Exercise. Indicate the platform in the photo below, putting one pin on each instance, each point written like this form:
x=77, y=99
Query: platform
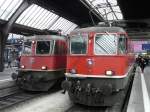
x=7, y=84
x=6, y=74
x=139, y=99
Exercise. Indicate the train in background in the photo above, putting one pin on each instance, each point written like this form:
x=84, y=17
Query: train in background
x=100, y=64
x=42, y=63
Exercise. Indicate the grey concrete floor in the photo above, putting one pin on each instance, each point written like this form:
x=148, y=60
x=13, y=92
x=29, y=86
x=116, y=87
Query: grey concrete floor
x=54, y=102
x=136, y=98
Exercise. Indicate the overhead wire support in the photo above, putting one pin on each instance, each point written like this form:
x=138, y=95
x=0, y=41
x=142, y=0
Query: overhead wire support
x=91, y=16
x=93, y=11
x=112, y=9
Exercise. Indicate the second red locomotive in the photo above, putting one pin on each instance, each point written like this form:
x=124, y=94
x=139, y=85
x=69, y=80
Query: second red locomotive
x=43, y=62
x=99, y=65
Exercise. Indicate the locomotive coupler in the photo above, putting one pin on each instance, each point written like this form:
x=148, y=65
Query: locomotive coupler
x=78, y=86
x=88, y=89
x=66, y=85
x=107, y=89
x=97, y=91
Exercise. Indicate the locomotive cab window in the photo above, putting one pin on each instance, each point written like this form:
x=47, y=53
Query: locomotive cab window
x=27, y=48
x=105, y=44
x=78, y=44
x=43, y=47
x=122, y=44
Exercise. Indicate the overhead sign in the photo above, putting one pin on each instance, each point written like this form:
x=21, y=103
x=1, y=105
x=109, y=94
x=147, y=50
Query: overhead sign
x=145, y=46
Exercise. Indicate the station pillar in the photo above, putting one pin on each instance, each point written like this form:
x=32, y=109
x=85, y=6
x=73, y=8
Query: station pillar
x=8, y=27
x=2, y=46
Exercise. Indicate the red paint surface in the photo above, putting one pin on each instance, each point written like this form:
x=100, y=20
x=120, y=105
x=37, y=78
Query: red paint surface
x=36, y=62
x=118, y=64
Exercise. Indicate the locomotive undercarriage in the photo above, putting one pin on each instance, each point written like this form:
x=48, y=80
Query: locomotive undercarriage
x=97, y=91
x=38, y=80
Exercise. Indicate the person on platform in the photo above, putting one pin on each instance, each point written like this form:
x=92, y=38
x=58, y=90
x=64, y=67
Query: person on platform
x=9, y=62
x=18, y=61
x=142, y=63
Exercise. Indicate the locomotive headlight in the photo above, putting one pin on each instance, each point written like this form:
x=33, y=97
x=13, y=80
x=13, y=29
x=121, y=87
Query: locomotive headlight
x=22, y=66
x=90, y=61
x=109, y=72
x=33, y=42
x=43, y=67
x=73, y=71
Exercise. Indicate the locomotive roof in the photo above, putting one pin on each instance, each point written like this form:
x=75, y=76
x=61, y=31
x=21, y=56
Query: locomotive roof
x=99, y=30
x=45, y=37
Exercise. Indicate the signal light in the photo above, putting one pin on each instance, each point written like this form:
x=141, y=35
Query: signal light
x=33, y=42
x=109, y=72
x=22, y=66
x=43, y=67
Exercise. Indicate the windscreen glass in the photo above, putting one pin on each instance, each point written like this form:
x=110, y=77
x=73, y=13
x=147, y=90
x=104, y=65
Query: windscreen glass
x=78, y=44
x=105, y=44
x=27, y=48
x=43, y=47
x=122, y=44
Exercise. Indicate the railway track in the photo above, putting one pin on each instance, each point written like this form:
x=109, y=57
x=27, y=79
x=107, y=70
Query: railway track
x=17, y=96
x=7, y=87
x=14, y=99
x=10, y=94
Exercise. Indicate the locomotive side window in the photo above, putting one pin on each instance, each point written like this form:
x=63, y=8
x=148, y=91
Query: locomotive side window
x=62, y=48
x=56, y=48
x=27, y=48
x=122, y=44
x=78, y=44
x=59, y=48
x=105, y=44
x=43, y=47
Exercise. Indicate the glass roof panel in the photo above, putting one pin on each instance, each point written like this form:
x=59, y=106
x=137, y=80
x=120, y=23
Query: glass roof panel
x=72, y=27
x=40, y=18
x=63, y=25
x=108, y=9
x=35, y=17
x=8, y=7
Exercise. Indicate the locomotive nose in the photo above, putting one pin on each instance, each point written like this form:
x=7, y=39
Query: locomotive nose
x=107, y=89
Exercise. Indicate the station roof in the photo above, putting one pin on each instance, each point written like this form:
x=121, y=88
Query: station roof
x=40, y=18
x=108, y=9
x=66, y=15
x=134, y=9
x=35, y=17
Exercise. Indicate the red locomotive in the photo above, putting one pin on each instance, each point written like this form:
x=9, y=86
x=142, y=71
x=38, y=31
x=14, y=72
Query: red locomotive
x=99, y=65
x=43, y=62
